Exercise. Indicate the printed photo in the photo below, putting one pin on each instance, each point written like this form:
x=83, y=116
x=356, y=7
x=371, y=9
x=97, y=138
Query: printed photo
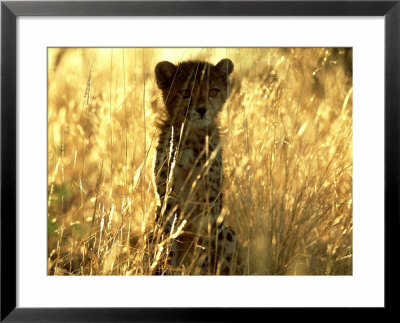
x=200, y=161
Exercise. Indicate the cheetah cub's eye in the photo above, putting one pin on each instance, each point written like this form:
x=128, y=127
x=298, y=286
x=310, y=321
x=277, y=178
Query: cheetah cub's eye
x=185, y=93
x=213, y=93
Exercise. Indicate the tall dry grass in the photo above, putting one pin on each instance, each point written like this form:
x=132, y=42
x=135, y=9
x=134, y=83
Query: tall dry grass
x=287, y=151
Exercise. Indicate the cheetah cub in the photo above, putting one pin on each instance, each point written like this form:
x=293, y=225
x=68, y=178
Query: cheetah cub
x=188, y=166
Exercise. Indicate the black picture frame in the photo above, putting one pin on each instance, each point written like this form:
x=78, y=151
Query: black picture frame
x=11, y=10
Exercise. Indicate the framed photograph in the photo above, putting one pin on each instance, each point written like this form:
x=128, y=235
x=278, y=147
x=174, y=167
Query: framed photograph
x=195, y=160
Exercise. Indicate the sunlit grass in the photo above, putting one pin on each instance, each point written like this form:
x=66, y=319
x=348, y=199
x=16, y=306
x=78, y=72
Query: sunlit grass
x=287, y=151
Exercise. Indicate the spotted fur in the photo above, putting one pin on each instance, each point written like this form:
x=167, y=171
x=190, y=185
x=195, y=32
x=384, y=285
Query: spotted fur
x=188, y=163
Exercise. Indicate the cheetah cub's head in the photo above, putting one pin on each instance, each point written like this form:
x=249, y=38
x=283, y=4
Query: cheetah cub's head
x=194, y=91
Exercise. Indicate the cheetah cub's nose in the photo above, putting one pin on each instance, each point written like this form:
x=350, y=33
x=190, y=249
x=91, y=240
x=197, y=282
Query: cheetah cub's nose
x=201, y=111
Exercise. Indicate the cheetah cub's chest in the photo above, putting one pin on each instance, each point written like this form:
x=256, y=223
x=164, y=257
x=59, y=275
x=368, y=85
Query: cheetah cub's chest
x=187, y=159
x=192, y=172
x=192, y=154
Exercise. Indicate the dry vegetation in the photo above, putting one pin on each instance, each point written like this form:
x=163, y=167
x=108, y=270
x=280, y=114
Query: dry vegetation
x=287, y=150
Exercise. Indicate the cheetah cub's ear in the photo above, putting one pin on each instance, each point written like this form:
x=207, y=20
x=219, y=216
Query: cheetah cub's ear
x=225, y=66
x=165, y=72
